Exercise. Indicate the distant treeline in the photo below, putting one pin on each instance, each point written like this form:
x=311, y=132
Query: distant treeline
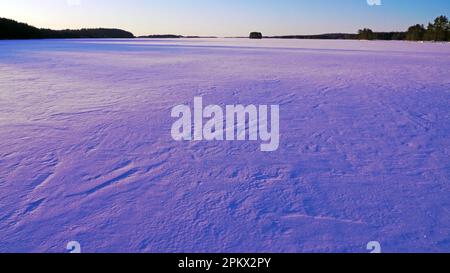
x=10, y=29
x=172, y=36
x=162, y=36
x=331, y=36
x=362, y=35
x=439, y=30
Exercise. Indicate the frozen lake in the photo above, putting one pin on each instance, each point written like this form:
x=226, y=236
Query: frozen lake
x=86, y=152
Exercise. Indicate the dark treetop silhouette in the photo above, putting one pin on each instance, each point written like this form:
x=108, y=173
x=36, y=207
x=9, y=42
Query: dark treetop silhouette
x=10, y=29
x=439, y=30
x=256, y=35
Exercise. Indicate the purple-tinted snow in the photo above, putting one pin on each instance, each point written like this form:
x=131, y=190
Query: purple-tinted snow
x=86, y=153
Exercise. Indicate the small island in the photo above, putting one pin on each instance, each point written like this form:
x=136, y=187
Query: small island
x=256, y=35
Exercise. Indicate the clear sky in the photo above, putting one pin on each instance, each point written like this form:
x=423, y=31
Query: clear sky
x=225, y=17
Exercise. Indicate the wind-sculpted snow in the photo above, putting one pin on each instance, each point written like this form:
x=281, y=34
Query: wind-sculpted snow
x=86, y=153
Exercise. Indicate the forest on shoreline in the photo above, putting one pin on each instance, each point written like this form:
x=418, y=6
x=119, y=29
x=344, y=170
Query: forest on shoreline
x=439, y=30
x=11, y=30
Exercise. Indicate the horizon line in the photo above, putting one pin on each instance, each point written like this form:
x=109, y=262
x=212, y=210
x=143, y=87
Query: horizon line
x=207, y=36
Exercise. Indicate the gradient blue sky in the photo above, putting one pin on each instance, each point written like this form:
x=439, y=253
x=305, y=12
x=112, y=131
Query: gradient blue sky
x=225, y=17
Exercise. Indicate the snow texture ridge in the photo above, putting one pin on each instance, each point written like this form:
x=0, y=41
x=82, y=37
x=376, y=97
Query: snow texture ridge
x=86, y=153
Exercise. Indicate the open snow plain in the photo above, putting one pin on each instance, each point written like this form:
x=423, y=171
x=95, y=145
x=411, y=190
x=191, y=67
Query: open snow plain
x=86, y=153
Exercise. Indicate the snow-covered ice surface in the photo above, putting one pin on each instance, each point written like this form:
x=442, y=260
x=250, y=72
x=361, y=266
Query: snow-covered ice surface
x=86, y=152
